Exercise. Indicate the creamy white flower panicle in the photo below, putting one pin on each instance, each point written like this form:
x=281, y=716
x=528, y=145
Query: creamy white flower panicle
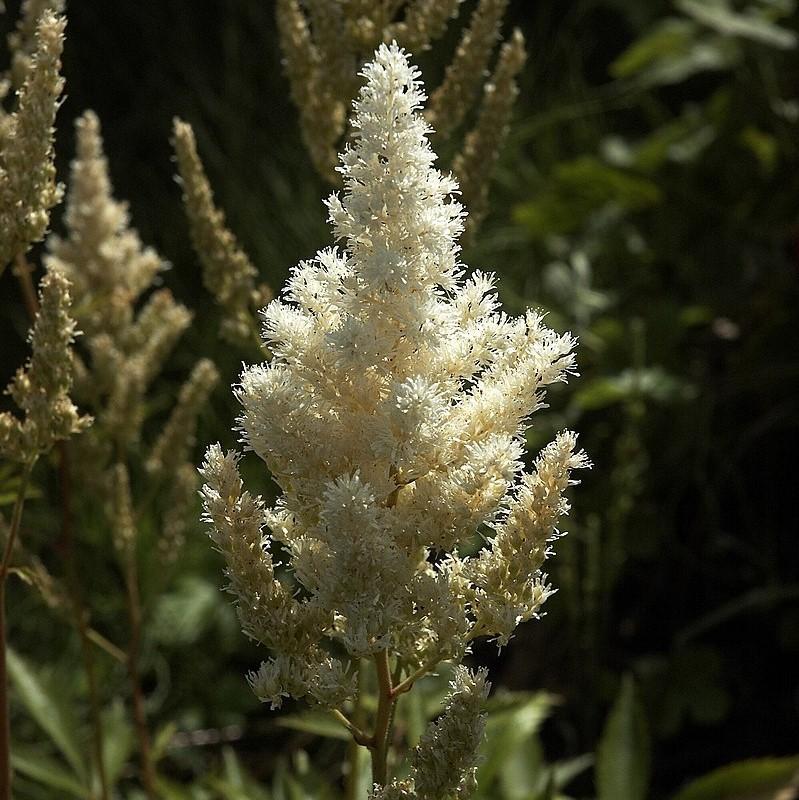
x=392, y=417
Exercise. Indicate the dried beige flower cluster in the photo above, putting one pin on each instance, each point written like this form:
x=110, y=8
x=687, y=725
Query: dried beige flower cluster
x=127, y=346
x=392, y=418
x=22, y=41
x=324, y=44
x=227, y=271
x=41, y=388
x=28, y=189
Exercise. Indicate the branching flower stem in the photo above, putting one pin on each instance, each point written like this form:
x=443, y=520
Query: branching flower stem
x=385, y=705
x=23, y=271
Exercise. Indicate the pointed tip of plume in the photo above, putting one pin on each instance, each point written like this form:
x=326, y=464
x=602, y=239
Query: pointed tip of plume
x=28, y=188
x=227, y=271
x=445, y=759
x=41, y=389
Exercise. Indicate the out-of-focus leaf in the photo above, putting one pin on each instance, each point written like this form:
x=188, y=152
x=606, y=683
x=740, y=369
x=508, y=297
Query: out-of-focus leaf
x=523, y=771
x=49, y=709
x=235, y=783
x=669, y=38
x=183, y=615
x=507, y=729
x=622, y=771
x=118, y=740
x=45, y=770
x=162, y=739
x=758, y=779
x=577, y=189
x=763, y=146
x=599, y=393
x=681, y=141
x=695, y=315
x=718, y=15
x=564, y=772
x=169, y=790
x=286, y=787
x=653, y=383
x=316, y=722
x=10, y=479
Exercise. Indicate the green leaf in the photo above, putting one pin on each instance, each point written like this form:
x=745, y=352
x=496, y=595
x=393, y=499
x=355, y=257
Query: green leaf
x=756, y=779
x=118, y=740
x=763, y=146
x=524, y=771
x=162, y=739
x=564, y=772
x=318, y=723
x=45, y=770
x=622, y=771
x=49, y=709
x=511, y=723
x=182, y=616
x=749, y=25
x=599, y=393
x=669, y=38
x=235, y=783
x=578, y=189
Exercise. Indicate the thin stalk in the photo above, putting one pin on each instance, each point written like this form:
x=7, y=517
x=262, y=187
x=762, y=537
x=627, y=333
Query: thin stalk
x=23, y=271
x=81, y=615
x=134, y=647
x=97, y=638
x=5, y=722
x=385, y=705
x=407, y=684
x=358, y=736
x=354, y=745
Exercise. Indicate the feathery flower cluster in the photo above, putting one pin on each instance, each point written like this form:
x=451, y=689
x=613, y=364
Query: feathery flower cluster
x=103, y=258
x=22, y=40
x=392, y=418
x=28, y=189
x=227, y=271
x=325, y=43
x=127, y=345
x=484, y=141
x=41, y=388
x=443, y=763
x=464, y=74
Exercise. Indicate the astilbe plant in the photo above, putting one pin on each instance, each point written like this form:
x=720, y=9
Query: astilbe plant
x=130, y=332
x=392, y=417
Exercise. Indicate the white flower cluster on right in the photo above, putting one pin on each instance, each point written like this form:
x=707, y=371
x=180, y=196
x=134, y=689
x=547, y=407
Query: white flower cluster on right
x=392, y=417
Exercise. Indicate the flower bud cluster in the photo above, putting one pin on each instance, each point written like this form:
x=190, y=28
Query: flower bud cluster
x=324, y=43
x=443, y=764
x=129, y=336
x=28, y=189
x=41, y=388
x=227, y=271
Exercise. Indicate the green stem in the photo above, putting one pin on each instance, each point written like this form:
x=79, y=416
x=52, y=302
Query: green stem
x=385, y=705
x=5, y=722
x=81, y=616
x=354, y=745
x=134, y=647
x=407, y=684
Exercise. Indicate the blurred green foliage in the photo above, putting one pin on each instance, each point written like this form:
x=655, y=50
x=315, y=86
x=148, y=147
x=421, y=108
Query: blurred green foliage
x=649, y=201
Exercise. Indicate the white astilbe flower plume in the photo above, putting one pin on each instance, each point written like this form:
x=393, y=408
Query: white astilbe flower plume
x=392, y=418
